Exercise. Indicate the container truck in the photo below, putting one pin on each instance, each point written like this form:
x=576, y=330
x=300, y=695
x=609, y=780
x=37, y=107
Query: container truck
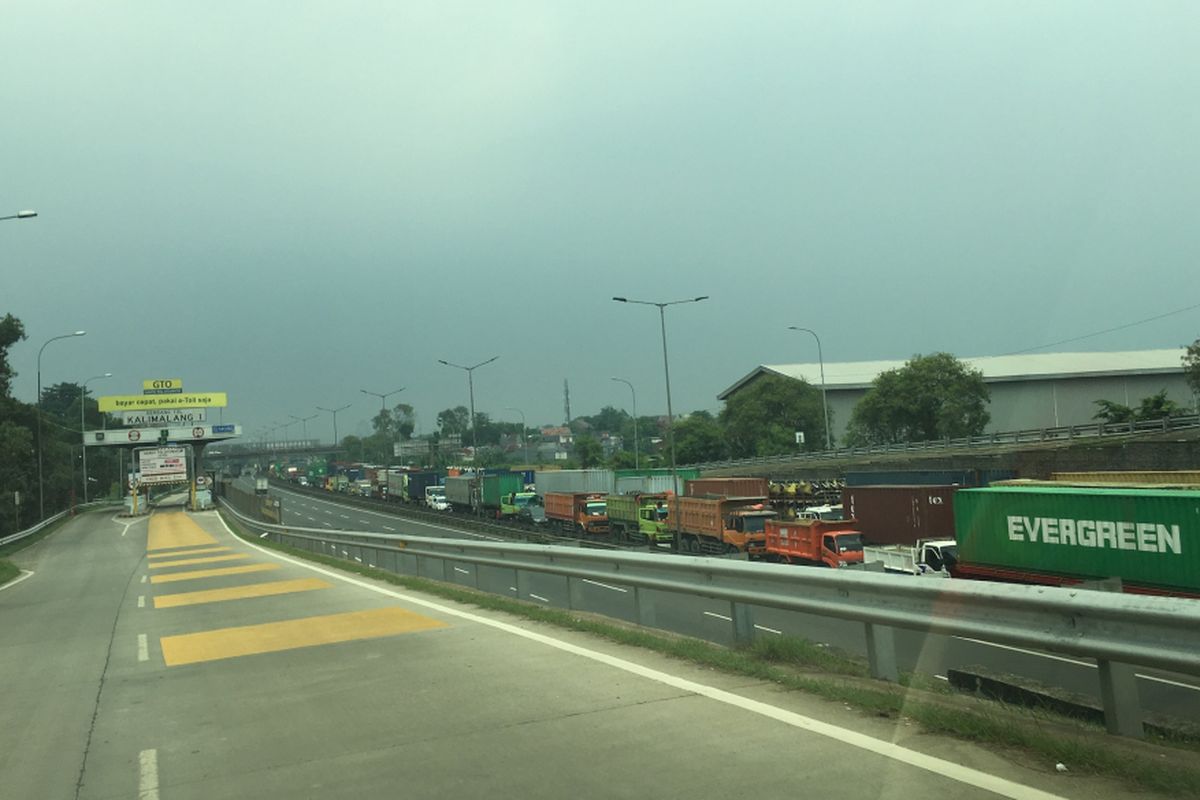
x=928, y=477
x=581, y=513
x=1148, y=538
x=435, y=498
x=261, y=485
x=926, y=557
x=640, y=518
x=514, y=503
x=460, y=492
x=595, y=481
x=415, y=483
x=901, y=514
x=716, y=525
x=482, y=493
x=812, y=541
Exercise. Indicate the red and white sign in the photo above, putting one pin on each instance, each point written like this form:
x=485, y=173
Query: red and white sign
x=134, y=435
x=197, y=433
x=163, y=465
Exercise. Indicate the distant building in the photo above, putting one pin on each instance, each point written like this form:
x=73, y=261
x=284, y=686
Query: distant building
x=1038, y=390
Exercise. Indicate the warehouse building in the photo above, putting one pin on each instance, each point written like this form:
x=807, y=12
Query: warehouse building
x=1042, y=390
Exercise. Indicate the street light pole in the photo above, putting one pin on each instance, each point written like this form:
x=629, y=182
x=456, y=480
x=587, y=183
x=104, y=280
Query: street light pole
x=662, y=318
x=383, y=401
x=524, y=436
x=636, y=463
x=304, y=423
x=41, y=485
x=83, y=427
x=333, y=411
x=27, y=214
x=471, y=387
x=824, y=397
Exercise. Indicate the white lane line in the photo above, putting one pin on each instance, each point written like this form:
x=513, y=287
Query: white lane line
x=344, y=516
x=605, y=585
x=364, y=522
x=148, y=775
x=311, y=519
x=769, y=630
x=389, y=528
x=359, y=560
x=456, y=531
x=327, y=511
x=538, y=597
x=942, y=678
x=143, y=648
x=326, y=524
x=512, y=588
x=24, y=574
x=1154, y=678
x=143, y=579
x=718, y=616
x=141, y=601
x=463, y=571
x=937, y=766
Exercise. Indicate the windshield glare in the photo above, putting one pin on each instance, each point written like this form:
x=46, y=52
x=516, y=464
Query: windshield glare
x=596, y=509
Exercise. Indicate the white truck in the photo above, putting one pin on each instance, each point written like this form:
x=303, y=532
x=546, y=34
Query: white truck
x=435, y=498
x=261, y=485
x=926, y=557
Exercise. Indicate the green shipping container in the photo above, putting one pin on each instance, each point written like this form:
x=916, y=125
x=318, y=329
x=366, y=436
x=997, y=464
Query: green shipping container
x=496, y=486
x=685, y=473
x=1147, y=537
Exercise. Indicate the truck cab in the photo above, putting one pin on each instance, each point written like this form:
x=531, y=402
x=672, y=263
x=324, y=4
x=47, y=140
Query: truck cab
x=435, y=498
x=652, y=523
x=746, y=529
x=513, y=503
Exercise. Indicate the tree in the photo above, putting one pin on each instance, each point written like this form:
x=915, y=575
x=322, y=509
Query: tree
x=1111, y=412
x=930, y=397
x=699, y=437
x=11, y=332
x=404, y=420
x=763, y=418
x=1191, y=365
x=588, y=450
x=453, y=421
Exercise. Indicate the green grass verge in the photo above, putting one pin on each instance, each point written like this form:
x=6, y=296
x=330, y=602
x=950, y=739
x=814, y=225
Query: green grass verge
x=8, y=571
x=1035, y=736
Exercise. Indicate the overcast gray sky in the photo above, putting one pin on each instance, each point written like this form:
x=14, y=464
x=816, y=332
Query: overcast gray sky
x=292, y=201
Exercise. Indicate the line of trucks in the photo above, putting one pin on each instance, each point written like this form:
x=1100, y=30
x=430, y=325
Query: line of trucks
x=1141, y=529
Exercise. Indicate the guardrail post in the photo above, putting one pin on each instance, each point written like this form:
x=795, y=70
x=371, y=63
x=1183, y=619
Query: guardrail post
x=1119, y=693
x=743, y=623
x=881, y=652
x=643, y=608
x=574, y=593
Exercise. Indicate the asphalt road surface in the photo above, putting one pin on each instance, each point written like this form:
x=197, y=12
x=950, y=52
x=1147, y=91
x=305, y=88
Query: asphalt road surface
x=932, y=654
x=164, y=658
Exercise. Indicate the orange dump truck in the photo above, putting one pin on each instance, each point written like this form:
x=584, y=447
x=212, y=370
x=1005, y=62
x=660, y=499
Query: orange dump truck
x=813, y=541
x=580, y=513
x=716, y=525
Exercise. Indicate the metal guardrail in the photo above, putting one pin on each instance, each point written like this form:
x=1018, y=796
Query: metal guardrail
x=1120, y=631
x=19, y=535
x=1028, y=436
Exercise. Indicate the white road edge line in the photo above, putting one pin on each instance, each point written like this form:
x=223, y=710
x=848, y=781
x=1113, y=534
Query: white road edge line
x=24, y=574
x=148, y=775
x=143, y=648
x=605, y=585
x=937, y=766
x=1154, y=678
x=718, y=616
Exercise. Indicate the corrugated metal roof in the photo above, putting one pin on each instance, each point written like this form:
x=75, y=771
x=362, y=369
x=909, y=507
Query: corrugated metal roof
x=995, y=369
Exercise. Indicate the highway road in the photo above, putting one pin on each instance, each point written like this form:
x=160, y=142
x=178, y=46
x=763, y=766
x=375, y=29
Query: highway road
x=931, y=654
x=165, y=659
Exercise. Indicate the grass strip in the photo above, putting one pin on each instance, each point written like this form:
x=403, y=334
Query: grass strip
x=803, y=666
x=8, y=571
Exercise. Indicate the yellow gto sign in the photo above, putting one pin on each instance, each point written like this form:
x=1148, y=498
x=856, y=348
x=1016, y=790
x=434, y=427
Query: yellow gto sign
x=161, y=384
x=152, y=402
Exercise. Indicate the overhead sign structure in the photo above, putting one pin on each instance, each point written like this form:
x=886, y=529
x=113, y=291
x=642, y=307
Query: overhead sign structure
x=143, y=419
x=163, y=465
x=159, y=402
x=163, y=386
x=187, y=433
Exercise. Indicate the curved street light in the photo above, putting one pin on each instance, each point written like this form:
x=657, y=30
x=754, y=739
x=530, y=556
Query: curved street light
x=662, y=318
x=41, y=485
x=304, y=423
x=471, y=386
x=333, y=411
x=26, y=214
x=636, y=463
x=824, y=398
x=83, y=426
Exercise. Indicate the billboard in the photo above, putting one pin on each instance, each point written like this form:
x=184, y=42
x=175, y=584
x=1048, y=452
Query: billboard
x=158, y=402
x=163, y=465
x=148, y=419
